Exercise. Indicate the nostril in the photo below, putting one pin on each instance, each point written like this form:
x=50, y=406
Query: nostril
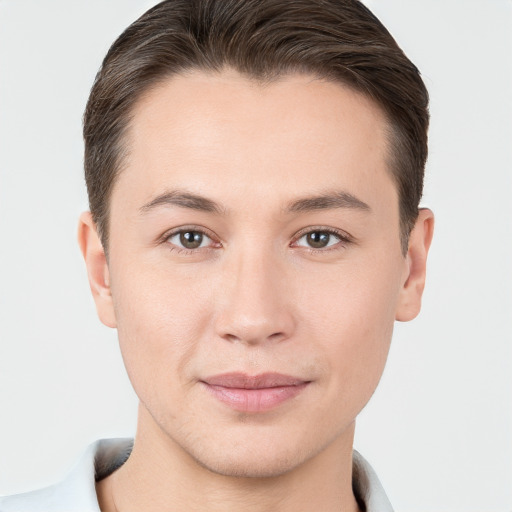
x=277, y=336
x=232, y=338
x=248, y=339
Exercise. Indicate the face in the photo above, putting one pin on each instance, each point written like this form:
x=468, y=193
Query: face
x=255, y=268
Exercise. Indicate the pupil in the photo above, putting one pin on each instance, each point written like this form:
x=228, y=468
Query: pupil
x=191, y=239
x=318, y=239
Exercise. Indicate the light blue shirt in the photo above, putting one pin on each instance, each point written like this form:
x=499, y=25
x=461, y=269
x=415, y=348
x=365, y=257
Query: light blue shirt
x=77, y=492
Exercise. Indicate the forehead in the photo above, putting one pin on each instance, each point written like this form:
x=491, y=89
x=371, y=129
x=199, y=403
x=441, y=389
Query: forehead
x=239, y=135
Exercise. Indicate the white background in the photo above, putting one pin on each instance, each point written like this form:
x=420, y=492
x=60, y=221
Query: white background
x=438, y=430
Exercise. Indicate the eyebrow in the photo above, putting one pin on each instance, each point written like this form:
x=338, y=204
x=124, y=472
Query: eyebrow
x=327, y=201
x=183, y=199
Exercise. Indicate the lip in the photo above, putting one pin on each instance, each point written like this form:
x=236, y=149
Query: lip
x=254, y=393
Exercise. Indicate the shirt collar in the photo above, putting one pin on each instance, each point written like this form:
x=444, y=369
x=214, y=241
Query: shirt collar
x=77, y=492
x=367, y=487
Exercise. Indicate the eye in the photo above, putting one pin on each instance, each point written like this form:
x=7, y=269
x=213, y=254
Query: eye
x=190, y=239
x=320, y=239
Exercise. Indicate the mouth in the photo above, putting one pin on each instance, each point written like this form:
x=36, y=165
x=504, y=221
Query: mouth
x=254, y=393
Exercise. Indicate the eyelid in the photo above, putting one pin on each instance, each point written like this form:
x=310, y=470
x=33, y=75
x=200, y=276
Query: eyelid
x=344, y=237
x=198, y=229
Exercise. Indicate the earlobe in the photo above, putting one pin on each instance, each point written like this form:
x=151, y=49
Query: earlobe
x=409, y=303
x=97, y=268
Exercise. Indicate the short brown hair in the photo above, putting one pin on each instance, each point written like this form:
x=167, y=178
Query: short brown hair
x=339, y=40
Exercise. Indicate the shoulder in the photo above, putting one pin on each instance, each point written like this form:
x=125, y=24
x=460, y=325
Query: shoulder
x=77, y=492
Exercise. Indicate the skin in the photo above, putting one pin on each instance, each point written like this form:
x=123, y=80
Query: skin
x=255, y=296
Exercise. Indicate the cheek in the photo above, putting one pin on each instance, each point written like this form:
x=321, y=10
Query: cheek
x=358, y=298
x=160, y=322
x=352, y=316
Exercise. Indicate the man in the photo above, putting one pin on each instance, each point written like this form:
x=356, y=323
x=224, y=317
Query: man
x=254, y=170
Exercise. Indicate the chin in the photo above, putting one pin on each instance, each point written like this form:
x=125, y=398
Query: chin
x=256, y=465
x=258, y=453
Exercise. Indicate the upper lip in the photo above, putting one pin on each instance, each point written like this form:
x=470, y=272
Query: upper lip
x=240, y=380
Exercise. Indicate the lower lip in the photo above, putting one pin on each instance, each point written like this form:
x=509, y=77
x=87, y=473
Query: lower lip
x=255, y=400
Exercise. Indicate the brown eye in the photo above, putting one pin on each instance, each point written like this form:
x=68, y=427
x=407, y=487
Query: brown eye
x=318, y=239
x=189, y=239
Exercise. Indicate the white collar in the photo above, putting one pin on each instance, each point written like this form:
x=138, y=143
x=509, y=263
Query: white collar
x=77, y=492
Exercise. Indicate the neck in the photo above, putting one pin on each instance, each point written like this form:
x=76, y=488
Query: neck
x=160, y=476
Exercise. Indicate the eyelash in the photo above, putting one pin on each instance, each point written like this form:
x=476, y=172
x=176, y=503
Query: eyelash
x=188, y=229
x=344, y=239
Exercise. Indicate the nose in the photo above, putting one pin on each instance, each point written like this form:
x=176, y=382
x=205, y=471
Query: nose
x=256, y=302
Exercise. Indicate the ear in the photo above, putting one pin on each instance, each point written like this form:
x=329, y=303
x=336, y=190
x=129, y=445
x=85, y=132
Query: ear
x=409, y=302
x=97, y=268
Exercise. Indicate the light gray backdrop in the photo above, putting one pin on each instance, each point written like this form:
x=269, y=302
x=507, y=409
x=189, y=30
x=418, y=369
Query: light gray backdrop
x=438, y=430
